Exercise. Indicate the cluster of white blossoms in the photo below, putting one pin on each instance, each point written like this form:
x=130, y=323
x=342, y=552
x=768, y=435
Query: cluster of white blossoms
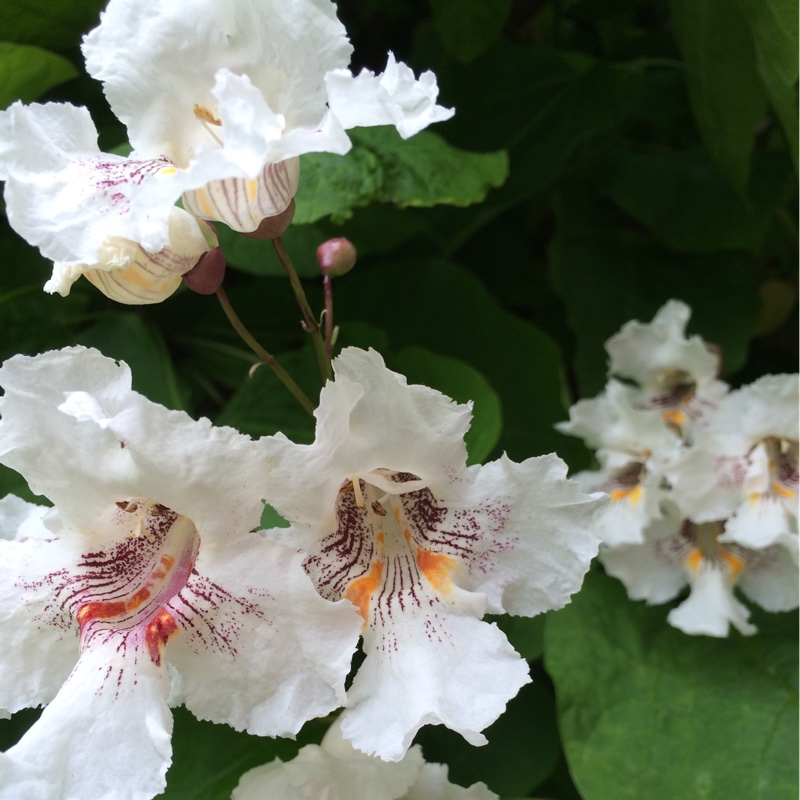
x=219, y=99
x=147, y=584
x=703, y=480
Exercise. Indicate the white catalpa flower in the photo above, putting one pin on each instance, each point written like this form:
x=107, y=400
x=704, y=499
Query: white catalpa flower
x=744, y=464
x=393, y=520
x=143, y=585
x=334, y=770
x=74, y=203
x=633, y=446
x=232, y=93
x=678, y=553
x=675, y=375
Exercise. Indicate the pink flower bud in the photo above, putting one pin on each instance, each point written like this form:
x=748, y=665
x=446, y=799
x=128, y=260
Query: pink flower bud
x=273, y=227
x=206, y=276
x=336, y=256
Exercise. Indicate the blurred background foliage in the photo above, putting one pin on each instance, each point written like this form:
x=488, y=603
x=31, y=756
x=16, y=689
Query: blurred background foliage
x=605, y=156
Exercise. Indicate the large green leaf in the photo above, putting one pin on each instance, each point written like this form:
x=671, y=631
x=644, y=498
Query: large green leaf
x=382, y=167
x=463, y=383
x=773, y=26
x=686, y=204
x=27, y=72
x=264, y=406
x=606, y=279
x=725, y=89
x=54, y=24
x=647, y=711
x=468, y=27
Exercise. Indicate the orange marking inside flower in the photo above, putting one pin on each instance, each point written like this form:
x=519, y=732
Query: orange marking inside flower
x=782, y=490
x=694, y=560
x=158, y=633
x=92, y=611
x=360, y=591
x=252, y=189
x=407, y=535
x=735, y=565
x=166, y=563
x=633, y=496
x=140, y=597
x=201, y=195
x=436, y=568
x=673, y=415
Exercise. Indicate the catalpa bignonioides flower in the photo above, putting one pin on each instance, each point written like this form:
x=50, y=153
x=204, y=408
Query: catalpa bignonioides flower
x=232, y=93
x=144, y=583
x=392, y=519
x=74, y=202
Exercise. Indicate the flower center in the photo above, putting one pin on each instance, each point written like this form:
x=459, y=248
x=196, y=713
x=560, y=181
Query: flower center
x=783, y=455
x=701, y=541
x=386, y=543
x=675, y=389
x=125, y=590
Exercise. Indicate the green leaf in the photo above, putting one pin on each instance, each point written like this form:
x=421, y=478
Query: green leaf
x=773, y=26
x=462, y=383
x=27, y=72
x=468, y=27
x=725, y=89
x=47, y=23
x=522, y=750
x=605, y=279
x=332, y=185
x=533, y=102
x=382, y=167
x=125, y=337
x=264, y=406
x=685, y=203
x=647, y=711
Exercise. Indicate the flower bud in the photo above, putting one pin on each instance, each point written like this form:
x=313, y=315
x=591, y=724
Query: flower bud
x=273, y=227
x=336, y=256
x=206, y=276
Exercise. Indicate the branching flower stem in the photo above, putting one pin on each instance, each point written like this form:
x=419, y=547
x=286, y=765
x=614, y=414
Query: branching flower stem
x=265, y=356
x=310, y=324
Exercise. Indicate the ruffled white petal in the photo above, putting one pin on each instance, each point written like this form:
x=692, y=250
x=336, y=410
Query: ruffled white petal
x=333, y=771
x=267, y=654
x=40, y=641
x=651, y=571
x=395, y=97
x=432, y=784
x=368, y=419
x=211, y=475
x=635, y=496
x=711, y=607
x=767, y=407
x=65, y=196
x=771, y=576
x=106, y=736
x=644, y=351
x=537, y=534
x=424, y=657
x=158, y=61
